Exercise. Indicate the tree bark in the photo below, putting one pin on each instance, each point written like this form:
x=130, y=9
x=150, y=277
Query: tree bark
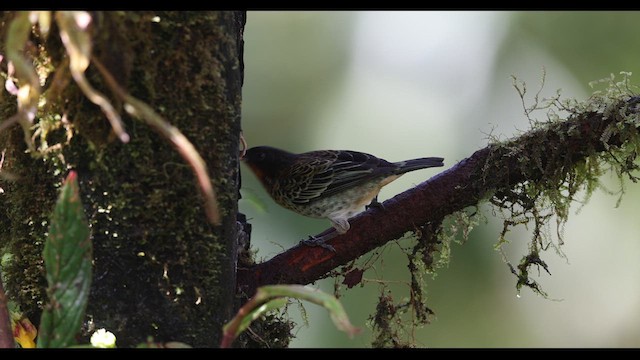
x=161, y=269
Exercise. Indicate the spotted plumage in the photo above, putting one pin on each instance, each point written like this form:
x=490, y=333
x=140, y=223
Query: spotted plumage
x=333, y=184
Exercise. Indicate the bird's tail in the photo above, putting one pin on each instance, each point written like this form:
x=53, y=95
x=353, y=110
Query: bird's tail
x=417, y=164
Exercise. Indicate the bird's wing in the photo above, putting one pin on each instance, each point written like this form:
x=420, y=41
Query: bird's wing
x=330, y=172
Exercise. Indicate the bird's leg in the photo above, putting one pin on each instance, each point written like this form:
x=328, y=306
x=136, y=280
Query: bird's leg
x=321, y=240
x=374, y=204
x=340, y=226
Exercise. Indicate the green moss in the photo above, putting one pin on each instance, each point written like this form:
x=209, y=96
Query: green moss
x=554, y=176
x=160, y=268
x=395, y=318
x=564, y=177
x=26, y=207
x=388, y=323
x=272, y=331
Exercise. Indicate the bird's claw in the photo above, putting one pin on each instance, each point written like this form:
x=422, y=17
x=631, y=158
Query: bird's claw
x=375, y=204
x=314, y=241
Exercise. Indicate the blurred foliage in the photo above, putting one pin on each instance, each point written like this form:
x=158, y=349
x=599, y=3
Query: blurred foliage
x=473, y=298
x=591, y=44
x=301, y=57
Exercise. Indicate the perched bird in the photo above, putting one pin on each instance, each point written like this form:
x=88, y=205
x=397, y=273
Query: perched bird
x=333, y=184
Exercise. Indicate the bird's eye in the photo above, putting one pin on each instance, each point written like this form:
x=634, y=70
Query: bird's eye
x=262, y=156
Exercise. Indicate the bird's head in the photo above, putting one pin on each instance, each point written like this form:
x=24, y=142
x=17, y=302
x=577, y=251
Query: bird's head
x=266, y=161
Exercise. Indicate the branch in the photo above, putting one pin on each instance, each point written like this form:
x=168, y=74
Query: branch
x=549, y=151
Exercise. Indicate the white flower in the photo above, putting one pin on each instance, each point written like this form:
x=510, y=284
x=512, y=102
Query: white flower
x=103, y=339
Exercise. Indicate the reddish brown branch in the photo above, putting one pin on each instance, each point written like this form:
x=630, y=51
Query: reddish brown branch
x=493, y=169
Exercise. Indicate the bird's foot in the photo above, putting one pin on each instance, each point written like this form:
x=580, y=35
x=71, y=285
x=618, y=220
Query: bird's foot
x=318, y=241
x=375, y=204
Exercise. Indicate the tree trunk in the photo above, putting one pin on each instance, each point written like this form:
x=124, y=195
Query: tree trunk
x=161, y=269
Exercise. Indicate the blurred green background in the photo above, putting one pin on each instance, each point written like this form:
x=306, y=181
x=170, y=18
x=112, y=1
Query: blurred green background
x=410, y=84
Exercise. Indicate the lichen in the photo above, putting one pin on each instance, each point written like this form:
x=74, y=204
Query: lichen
x=555, y=177
x=563, y=180
x=395, y=321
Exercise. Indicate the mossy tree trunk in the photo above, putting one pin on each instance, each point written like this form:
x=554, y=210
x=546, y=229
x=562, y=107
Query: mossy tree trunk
x=161, y=269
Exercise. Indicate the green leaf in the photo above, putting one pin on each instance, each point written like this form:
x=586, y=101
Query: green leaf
x=67, y=258
x=259, y=311
x=336, y=311
x=271, y=297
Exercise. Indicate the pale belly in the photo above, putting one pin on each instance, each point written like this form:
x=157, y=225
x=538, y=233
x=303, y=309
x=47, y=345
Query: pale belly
x=345, y=204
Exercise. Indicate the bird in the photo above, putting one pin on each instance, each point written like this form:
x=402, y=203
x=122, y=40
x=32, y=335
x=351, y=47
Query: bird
x=332, y=184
